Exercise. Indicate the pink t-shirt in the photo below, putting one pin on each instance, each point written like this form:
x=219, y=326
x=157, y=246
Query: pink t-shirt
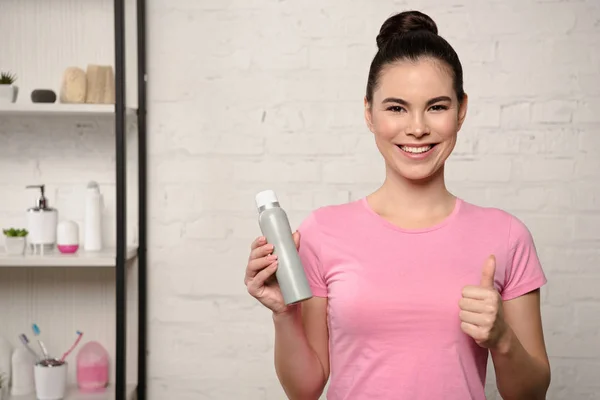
x=393, y=296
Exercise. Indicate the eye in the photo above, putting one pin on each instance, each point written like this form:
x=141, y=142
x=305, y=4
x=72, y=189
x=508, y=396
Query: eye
x=395, y=109
x=439, y=107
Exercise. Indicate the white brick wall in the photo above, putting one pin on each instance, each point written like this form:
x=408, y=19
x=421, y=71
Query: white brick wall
x=283, y=81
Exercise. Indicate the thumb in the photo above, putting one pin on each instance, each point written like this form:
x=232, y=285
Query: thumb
x=489, y=270
x=296, y=237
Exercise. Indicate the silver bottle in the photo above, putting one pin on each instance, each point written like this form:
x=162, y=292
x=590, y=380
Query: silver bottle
x=275, y=227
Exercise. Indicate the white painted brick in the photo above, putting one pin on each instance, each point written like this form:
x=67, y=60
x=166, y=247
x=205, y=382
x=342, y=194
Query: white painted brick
x=353, y=171
x=490, y=169
x=554, y=111
x=543, y=169
x=483, y=114
x=588, y=166
x=497, y=142
x=587, y=111
x=185, y=169
x=277, y=171
x=566, y=259
x=587, y=317
x=549, y=141
x=561, y=318
x=587, y=228
x=327, y=57
x=515, y=114
x=586, y=196
x=314, y=144
x=549, y=229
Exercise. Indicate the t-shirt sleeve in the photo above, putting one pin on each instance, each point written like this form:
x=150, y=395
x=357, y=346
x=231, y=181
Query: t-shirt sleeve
x=524, y=270
x=309, y=251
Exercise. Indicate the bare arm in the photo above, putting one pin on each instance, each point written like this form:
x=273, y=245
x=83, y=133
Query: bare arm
x=521, y=363
x=302, y=349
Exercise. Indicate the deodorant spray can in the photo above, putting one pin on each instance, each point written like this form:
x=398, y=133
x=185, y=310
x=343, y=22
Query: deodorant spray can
x=275, y=227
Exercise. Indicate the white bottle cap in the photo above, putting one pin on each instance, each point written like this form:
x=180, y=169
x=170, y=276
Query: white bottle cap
x=265, y=197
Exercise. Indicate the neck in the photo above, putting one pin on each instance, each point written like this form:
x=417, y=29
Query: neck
x=420, y=199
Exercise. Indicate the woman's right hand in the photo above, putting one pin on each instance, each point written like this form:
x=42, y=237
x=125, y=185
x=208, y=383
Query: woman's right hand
x=260, y=275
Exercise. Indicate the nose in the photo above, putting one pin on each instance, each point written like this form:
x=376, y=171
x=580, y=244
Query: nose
x=417, y=126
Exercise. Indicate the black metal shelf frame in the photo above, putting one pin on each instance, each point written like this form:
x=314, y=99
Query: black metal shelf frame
x=121, y=199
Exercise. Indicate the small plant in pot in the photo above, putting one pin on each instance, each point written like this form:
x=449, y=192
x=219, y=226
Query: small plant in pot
x=15, y=241
x=3, y=385
x=8, y=91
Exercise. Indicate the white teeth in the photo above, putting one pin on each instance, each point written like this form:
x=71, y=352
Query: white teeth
x=416, y=150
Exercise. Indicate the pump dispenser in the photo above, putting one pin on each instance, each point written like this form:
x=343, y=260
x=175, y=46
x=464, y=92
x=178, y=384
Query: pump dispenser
x=42, y=221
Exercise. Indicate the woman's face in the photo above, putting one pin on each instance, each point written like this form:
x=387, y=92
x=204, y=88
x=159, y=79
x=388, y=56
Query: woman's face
x=415, y=117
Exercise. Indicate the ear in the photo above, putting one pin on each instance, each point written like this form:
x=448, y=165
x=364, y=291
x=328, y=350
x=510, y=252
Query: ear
x=368, y=114
x=462, y=111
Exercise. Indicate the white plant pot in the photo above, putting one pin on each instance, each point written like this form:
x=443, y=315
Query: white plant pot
x=15, y=246
x=8, y=93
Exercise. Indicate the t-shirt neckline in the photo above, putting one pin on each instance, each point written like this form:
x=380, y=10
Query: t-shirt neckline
x=451, y=217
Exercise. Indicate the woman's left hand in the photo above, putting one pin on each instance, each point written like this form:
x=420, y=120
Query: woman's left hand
x=481, y=309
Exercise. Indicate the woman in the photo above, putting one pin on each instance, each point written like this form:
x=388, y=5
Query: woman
x=412, y=285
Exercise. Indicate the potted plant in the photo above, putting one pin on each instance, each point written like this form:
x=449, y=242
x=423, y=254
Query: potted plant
x=8, y=91
x=2, y=385
x=15, y=241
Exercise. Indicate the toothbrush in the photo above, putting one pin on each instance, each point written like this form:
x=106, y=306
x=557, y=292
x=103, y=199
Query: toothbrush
x=25, y=341
x=36, y=332
x=79, y=335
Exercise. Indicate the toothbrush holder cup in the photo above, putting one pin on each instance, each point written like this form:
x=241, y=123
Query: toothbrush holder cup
x=50, y=379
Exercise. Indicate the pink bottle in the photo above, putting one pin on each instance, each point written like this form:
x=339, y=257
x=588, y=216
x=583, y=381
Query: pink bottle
x=92, y=368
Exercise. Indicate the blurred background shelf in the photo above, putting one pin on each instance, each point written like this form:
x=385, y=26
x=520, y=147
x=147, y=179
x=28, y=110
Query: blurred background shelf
x=104, y=258
x=74, y=394
x=60, y=109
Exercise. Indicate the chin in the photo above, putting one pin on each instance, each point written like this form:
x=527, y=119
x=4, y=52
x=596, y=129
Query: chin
x=417, y=175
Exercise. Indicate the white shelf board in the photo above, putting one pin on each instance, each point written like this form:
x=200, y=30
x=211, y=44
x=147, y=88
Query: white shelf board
x=59, y=109
x=104, y=258
x=74, y=394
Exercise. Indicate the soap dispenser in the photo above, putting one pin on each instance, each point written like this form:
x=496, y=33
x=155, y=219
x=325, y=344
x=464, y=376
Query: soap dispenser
x=42, y=222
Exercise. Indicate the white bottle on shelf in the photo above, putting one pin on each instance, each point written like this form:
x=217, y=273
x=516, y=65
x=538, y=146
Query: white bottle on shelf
x=6, y=350
x=23, y=382
x=93, y=218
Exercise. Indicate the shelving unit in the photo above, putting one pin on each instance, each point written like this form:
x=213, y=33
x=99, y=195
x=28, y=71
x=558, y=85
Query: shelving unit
x=61, y=110
x=105, y=258
x=74, y=394
x=121, y=257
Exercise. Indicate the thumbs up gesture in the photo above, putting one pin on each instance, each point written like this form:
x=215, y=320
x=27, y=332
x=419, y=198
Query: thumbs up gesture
x=481, y=309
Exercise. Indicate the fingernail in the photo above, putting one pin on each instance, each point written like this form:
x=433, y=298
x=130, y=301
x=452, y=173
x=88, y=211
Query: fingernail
x=273, y=257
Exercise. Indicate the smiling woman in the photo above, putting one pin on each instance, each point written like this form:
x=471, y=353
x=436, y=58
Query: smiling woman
x=413, y=287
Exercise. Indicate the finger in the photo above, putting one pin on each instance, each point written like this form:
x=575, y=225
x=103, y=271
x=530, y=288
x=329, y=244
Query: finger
x=296, y=237
x=259, y=280
x=261, y=251
x=488, y=273
x=475, y=292
x=471, y=330
x=474, y=318
x=254, y=266
x=473, y=305
x=259, y=241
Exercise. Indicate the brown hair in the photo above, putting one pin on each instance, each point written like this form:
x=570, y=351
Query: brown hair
x=410, y=36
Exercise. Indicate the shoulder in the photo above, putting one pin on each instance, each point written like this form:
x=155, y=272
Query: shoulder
x=498, y=220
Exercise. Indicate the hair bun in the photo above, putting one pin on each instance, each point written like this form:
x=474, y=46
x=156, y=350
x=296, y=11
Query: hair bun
x=405, y=22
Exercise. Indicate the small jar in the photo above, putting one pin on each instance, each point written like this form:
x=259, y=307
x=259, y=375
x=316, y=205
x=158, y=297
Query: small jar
x=92, y=368
x=67, y=237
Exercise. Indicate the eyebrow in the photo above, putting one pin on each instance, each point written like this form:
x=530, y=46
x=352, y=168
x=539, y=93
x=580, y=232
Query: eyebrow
x=406, y=103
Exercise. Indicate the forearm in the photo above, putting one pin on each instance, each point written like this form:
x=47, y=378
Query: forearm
x=298, y=367
x=518, y=374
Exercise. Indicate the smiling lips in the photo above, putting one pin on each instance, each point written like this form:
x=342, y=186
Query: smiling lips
x=417, y=151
